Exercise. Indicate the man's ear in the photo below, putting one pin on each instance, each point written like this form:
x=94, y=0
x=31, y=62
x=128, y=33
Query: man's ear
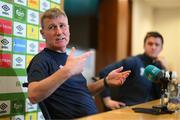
x=42, y=33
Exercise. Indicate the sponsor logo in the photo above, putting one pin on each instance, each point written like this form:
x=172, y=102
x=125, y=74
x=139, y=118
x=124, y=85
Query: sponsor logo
x=5, y=26
x=6, y=9
x=18, y=61
x=44, y=5
x=33, y=17
x=34, y=4
x=20, y=13
x=4, y=107
x=19, y=29
x=32, y=32
x=5, y=60
x=32, y=47
x=19, y=45
x=5, y=43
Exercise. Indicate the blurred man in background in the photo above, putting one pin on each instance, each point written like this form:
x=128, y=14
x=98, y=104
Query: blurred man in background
x=137, y=88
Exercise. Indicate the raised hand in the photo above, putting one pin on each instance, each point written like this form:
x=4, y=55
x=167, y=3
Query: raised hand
x=116, y=77
x=76, y=64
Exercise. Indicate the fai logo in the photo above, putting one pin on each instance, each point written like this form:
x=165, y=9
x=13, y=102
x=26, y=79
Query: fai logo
x=20, y=13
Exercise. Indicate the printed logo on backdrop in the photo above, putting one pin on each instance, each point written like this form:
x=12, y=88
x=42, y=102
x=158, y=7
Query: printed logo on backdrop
x=44, y=5
x=19, y=29
x=57, y=1
x=5, y=26
x=18, y=61
x=5, y=43
x=32, y=47
x=18, y=106
x=32, y=32
x=34, y=4
x=40, y=116
x=53, y=5
x=33, y=17
x=5, y=107
x=6, y=9
x=21, y=2
x=31, y=116
x=5, y=61
x=19, y=13
x=17, y=117
x=30, y=107
x=19, y=45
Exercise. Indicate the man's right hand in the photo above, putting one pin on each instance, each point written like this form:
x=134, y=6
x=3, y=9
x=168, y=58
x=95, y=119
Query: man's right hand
x=75, y=64
x=112, y=104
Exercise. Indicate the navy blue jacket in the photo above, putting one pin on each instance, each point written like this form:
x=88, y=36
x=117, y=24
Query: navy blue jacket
x=136, y=89
x=72, y=99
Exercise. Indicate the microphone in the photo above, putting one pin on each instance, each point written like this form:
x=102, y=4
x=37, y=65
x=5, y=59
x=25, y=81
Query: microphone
x=153, y=73
x=156, y=75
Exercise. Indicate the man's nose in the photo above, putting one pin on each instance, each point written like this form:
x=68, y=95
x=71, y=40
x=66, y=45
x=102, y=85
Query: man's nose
x=154, y=46
x=58, y=31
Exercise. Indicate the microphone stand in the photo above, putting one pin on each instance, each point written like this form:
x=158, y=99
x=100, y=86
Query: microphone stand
x=162, y=108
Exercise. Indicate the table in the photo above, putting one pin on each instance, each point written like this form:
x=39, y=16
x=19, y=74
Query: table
x=128, y=114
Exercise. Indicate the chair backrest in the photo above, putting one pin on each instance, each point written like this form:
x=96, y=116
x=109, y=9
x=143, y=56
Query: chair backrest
x=42, y=106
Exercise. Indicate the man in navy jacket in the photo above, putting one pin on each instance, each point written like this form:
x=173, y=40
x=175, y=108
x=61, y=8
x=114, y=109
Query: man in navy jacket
x=136, y=89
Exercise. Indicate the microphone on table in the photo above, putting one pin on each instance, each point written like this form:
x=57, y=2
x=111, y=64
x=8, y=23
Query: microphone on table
x=156, y=75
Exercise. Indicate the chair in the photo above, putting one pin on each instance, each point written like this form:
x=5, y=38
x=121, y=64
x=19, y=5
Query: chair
x=42, y=106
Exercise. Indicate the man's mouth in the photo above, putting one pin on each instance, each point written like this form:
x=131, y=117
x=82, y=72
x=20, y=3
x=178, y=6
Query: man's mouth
x=60, y=38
